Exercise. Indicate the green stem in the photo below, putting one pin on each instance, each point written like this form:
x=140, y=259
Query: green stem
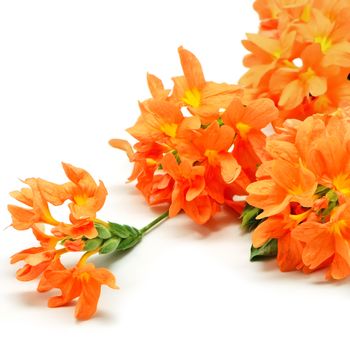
x=154, y=223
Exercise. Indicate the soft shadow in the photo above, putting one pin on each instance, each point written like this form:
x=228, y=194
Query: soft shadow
x=334, y=283
x=30, y=298
x=103, y=316
x=267, y=265
x=226, y=218
x=109, y=260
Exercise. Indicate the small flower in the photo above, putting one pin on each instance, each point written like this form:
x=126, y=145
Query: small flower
x=83, y=282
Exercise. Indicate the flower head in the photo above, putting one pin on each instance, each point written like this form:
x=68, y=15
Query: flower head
x=300, y=57
x=304, y=197
x=218, y=140
x=83, y=282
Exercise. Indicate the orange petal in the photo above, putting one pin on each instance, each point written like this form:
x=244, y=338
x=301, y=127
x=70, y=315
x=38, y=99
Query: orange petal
x=192, y=69
x=124, y=146
x=230, y=169
x=87, y=304
x=289, y=253
x=292, y=95
x=260, y=113
x=270, y=228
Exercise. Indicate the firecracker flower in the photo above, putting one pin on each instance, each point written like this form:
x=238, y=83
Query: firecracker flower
x=200, y=145
x=199, y=160
x=300, y=57
x=83, y=234
x=302, y=197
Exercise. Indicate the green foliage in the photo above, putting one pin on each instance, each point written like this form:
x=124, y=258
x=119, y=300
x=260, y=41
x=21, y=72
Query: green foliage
x=103, y=231
x=122, y=231
x=322, y=190
x=110, y=245
x=93, y=244
x=332, y=203
x=268, y=250
x=249, y=220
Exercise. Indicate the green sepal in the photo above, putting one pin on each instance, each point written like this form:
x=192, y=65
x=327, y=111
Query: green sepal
x=92, y=244
x=122, y=231
x=249, y=220
x=268, y=250
x=322, y=190
x=103, y=231
x=220, y=121
x=332, y=203
x=177, y=156
x=129, y=242
x=110, y=245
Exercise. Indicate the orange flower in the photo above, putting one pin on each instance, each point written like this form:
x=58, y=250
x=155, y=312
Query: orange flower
x=327, y=243
x=80, y=228
x=87, y=197
x=266, y=55
x=37, y=260
x=295, y=84
x=287, y=183
x=188, y=193
x=201, y=97
x=156, y=87
x=247, y=121
x=300, y=57
x=23, y=218
x=332, y=35
x=82, y=281
x=162, y=122
x=279, y=227
x=309, y=166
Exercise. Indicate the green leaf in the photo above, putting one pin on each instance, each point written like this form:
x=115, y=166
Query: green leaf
x=128, y=243
x=93, y=244
x=268, y=250
x=249, y=220
x=122, y=231
x=103, y=231
x=110, y=245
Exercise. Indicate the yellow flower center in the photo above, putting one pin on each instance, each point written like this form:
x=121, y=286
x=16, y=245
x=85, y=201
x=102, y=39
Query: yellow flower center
x=211, y=155
x=85, y=276
x=307, y=75
x=80, y=200
x=169, y=129
x=150, y=161
x=338, y=226
x=322, y=103
x=243, y=129
x=277, y=54
x=325, y=43
x=289, y=64
x=306, y=14
x=299, y=217
x=192, y=98
x=342, y=184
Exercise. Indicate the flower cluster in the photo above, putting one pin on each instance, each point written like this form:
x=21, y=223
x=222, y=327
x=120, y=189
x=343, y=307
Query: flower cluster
x=85, y=199
x=201, y=145
x=303, y=194
x=301, y=56
x=198, y=145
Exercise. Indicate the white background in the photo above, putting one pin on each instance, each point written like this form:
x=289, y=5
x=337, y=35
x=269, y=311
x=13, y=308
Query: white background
x=71, y=73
